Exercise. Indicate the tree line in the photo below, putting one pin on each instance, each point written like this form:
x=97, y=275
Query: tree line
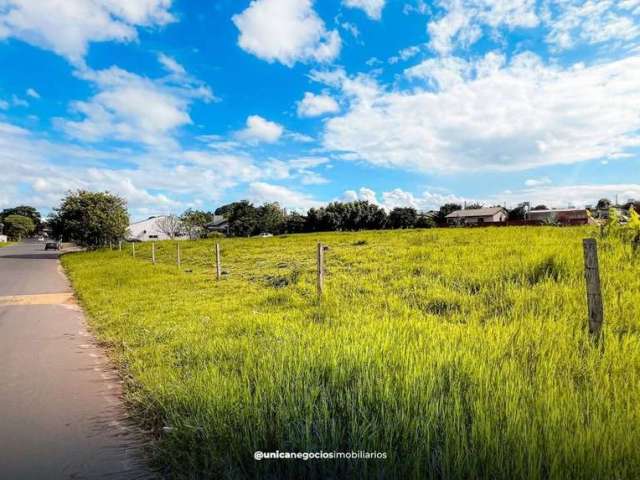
x=100, y=218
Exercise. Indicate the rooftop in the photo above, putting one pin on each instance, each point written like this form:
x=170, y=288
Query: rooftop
x=475, y=212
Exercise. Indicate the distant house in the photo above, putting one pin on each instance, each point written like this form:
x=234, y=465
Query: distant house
x=478, y=216
x=562, y=216
x=3, y=239
x=155, y=228
x=218, y=224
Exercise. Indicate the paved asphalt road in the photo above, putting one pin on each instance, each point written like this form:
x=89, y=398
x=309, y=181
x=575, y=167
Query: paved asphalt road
x=60, y=411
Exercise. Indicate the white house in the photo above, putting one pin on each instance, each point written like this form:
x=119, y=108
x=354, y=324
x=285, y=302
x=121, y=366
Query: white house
x=3, y=239
x=163, y=227
x=478, y=216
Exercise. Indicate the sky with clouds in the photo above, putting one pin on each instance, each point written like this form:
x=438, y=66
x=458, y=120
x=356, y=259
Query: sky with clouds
x=177, y=103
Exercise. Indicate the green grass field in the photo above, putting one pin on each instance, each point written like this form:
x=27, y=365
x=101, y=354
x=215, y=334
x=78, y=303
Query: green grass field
x=460, y=353
x=6, y=244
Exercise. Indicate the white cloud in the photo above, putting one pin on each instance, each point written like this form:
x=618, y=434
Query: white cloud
x=260, y=130
x=405, y=54
x=171, y=65
x=261, y=192
x=32, y=93
x=521, y=115
x=4, y=105
x=315, y=105
x=575, y=195
x=462, y=24
x=574, y=22
x=536, y=182
x=132, y=108
x=401, y=198
x=373, y=8
x=287, y=31
x=67, y=27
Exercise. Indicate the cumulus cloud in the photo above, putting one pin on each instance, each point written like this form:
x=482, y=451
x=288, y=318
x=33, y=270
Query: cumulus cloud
x=286, y=31
x=32, y=93
x=398, y=197
x=536, y=182
x=502, y=117
x=68, y=27
x=260, y=130
x=373, y=8
x=129, y=107
x=315, y=105
x=561, y=196
x=261, y=192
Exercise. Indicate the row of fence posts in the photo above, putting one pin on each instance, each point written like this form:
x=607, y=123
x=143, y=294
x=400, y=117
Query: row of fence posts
x=591, y=272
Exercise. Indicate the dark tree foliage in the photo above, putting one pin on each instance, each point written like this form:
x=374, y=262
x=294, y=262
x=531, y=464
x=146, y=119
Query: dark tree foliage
x=341, y=216
x=425, y=222
x=540, y=207
x=518, y=213
x=446, y=209
x=90, y=219
x=243, y=219
x=604, y=204
x=295, y=223
x=403, y=217
x=270, y=218
x=24, y=211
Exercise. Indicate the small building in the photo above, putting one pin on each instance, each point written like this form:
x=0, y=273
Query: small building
x=3, y=239
x=163, y=227
x=561, y=216
x=218, y=224
x=478, y=216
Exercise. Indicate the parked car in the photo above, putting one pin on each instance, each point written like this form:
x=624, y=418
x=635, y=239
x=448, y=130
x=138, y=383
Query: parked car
x=53, y=246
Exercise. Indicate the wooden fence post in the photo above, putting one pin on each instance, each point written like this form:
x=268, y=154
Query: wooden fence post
x=594, y=292
x=320, y=259
x=119, y=245
x=153, y=252
x=133, y=250
x=218, y=262
x=179, y=262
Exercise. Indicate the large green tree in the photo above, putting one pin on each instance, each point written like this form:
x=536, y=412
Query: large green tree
x=90, y=219
x=403, y=217
x=243, y=219
x=18, y=227
x=24, y=211
x=270, y=218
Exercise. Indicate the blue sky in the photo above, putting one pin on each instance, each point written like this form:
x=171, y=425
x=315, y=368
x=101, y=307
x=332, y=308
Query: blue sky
x=184, y=103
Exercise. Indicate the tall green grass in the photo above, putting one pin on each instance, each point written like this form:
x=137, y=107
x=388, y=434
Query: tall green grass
x=460, y=353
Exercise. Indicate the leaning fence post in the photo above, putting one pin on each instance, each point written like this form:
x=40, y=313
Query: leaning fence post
x=153, y=252
x=179, y=256
x=594, y=291
x=320, y=259
x=218, y=262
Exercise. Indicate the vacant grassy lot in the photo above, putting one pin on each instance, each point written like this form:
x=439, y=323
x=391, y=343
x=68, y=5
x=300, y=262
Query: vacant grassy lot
x=6, y=244
x=460, y=353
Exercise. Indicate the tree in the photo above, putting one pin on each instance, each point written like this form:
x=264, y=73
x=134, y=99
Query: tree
x=270, y=218
x=24, y=211
x=603, y=204
x=195, y=221
x=171, y=226
x=403, y=217
x=18, y=227
x=90, y=219
x=474, y=206
x=243, y=219
x=518, y=213
x=295, y=223
x=446, y=209
x=540, y=207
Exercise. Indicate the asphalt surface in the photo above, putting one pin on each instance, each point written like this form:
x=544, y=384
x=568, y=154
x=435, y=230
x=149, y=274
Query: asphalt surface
x=61, y=414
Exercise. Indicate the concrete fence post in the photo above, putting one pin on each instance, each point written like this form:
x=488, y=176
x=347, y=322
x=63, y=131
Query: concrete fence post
x=153, y=252
x=133, y=250
x=594, y=290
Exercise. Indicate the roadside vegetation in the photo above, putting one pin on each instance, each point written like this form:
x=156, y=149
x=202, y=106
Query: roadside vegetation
x=460, y=353
x=6, y=244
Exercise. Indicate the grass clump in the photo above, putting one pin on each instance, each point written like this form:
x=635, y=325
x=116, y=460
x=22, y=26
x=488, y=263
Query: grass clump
x=459, y=353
